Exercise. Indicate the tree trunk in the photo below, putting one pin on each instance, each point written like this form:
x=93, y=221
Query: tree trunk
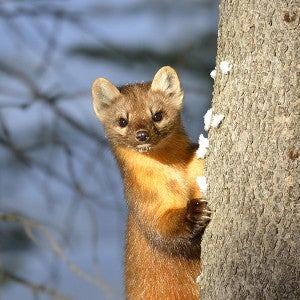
x=250, y=249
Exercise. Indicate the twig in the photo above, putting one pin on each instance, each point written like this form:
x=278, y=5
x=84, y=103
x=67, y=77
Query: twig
x=30, y=225
x=37, y=288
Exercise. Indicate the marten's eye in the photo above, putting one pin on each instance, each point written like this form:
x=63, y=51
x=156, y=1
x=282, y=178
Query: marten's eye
x=157, y=117
x=123, y=122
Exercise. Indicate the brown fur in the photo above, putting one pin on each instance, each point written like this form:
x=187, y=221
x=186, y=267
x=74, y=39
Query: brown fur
x=166, y=215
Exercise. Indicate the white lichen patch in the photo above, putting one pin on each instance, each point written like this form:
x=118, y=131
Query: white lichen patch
x=202, y=183
x=207, y=119
x=211, y=120
x=213, y=74
x=216, y=120
x=203, y=145
x=225, y=67
x=198, y=279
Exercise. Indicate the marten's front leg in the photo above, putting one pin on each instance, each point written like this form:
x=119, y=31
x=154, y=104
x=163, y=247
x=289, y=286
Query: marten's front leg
x=180, y=230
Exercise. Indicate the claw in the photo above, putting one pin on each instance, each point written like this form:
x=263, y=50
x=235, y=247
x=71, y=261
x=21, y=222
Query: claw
x=206, y=217
x=202, y=200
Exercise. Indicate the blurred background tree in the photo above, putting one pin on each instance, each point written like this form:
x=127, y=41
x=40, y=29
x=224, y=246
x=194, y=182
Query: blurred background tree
x=62, y=213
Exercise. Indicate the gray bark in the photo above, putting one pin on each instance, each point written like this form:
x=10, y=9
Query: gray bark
x=250, y=249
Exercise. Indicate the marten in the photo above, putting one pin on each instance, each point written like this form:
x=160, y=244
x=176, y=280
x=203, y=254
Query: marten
x=158, y=163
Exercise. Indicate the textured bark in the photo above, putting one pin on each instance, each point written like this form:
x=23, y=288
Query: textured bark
x=250, y=250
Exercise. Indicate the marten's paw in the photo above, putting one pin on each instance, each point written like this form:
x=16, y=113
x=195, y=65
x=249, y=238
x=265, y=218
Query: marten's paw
x=198, y=215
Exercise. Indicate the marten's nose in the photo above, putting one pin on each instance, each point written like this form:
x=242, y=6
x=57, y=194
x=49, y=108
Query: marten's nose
x=142, y=135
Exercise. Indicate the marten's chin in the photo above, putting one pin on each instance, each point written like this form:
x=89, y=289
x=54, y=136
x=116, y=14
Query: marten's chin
x=144, y=148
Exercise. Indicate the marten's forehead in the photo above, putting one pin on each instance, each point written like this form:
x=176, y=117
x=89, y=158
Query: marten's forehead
x=137, y=97
x=135, y=89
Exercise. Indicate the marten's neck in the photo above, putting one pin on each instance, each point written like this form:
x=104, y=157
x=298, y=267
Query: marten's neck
x=173, y=150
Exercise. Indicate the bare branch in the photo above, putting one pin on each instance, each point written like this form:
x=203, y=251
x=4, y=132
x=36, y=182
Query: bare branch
x=31, y=225
x=36, y=288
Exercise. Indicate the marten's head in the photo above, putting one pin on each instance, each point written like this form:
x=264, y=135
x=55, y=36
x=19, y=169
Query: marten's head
x=139, y=116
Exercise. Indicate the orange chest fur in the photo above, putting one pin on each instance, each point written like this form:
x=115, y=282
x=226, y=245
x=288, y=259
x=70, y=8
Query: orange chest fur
x=170, y=185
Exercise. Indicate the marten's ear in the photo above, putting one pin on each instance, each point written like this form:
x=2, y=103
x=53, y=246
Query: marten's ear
x=167, y=82
x=103, y=92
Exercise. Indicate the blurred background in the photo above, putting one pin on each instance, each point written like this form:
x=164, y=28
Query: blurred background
x=62, y=211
